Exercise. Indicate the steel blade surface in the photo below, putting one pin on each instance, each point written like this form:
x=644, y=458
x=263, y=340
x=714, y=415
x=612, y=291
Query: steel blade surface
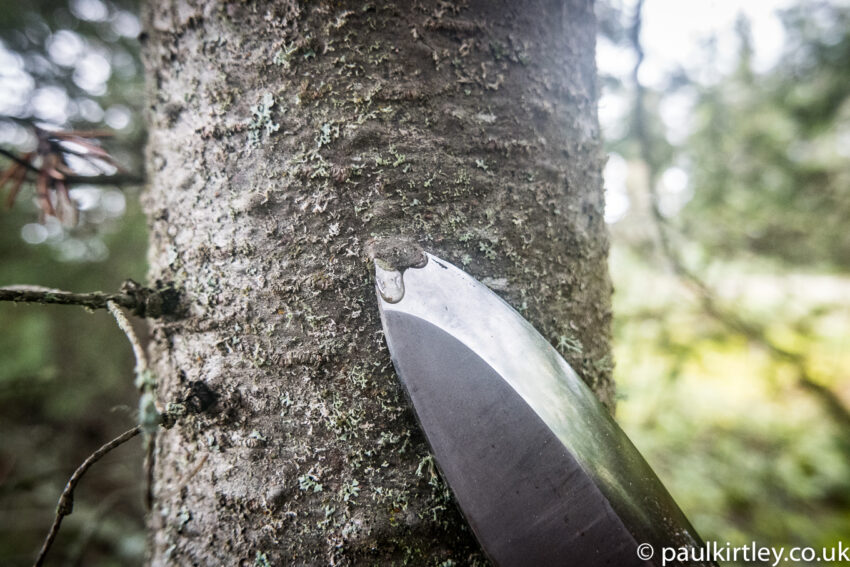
x=540, y=470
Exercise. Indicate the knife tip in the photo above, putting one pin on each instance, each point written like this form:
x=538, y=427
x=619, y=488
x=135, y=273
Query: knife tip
x=392, y=256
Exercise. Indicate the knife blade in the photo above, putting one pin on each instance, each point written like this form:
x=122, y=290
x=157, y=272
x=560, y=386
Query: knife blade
x=542, y=473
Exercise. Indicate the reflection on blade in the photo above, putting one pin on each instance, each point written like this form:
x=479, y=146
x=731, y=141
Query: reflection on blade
x=542, y=473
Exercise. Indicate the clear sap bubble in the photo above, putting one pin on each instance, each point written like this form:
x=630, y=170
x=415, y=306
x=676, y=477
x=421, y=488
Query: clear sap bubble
x=390, y=284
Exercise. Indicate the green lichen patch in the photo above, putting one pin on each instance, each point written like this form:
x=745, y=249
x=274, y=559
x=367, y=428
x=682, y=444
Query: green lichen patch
x=261, y=120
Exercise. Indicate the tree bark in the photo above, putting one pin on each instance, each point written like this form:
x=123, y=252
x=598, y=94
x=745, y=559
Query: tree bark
x=283, y=137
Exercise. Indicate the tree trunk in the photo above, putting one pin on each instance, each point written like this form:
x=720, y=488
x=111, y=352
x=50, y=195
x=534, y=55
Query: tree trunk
x=283, y=137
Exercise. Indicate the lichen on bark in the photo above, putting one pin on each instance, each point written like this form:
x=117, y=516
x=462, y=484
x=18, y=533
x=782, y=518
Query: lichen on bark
x=284, y=137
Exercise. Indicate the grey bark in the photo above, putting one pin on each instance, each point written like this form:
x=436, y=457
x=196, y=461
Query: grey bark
x=283, y=137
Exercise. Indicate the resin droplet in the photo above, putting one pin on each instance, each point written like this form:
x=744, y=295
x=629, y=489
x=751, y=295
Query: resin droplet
x=390, y=283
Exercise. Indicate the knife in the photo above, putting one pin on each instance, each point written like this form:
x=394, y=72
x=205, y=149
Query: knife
x=540, y=470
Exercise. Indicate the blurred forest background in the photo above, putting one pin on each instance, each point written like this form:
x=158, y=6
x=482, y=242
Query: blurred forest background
x=728, y=196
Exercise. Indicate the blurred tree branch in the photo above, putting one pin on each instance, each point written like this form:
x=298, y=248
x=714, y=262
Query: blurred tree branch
x=66, y=500
x=752, y=331
x=119, y=179
x=52, y=164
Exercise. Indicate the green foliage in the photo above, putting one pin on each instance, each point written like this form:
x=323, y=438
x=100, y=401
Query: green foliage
x=769, y=152
x=728, y=423
x=724, y=425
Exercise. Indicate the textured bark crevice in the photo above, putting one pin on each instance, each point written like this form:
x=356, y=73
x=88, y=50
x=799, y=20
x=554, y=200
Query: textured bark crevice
x=284, y=136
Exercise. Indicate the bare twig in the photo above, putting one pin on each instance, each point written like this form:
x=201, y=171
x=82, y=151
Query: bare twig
x=19, y=161
x=66, y=500
x=150, y=414
x=125, y=325
x=39, y=294
x=118, y=179
x=149, y=464
x=141, y=301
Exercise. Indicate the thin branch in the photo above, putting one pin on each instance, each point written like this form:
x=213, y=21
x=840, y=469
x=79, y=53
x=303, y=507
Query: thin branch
x=639, y=118
x=19, y=161
x=750, y=330
x=143, y=378
x=149, y=464
x=117, y=179
x=39, y=294
x=141, y=301
x=125, y=325
x=66, y=501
